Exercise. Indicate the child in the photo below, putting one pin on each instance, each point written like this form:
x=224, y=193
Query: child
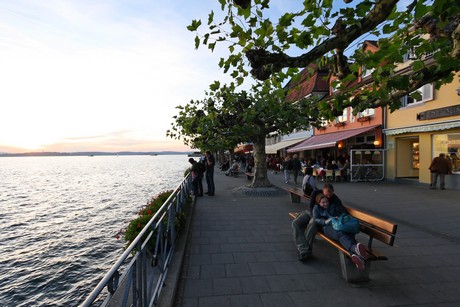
x=323, y=212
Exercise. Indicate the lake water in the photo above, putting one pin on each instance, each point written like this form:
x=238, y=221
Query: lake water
x=60, y=217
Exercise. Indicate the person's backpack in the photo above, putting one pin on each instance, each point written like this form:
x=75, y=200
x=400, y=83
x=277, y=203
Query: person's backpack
x=308, y=189
x=201, y=167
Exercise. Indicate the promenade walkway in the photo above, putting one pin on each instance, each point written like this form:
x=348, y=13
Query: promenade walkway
x=241, y=251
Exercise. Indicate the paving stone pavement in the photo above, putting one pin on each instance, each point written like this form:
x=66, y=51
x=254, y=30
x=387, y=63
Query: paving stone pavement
x=241, y=251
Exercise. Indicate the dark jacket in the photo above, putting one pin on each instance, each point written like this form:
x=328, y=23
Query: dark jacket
x=296, y=166
x=441, y=165
x=333, y=200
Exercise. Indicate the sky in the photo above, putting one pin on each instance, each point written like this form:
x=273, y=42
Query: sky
x=106, y=75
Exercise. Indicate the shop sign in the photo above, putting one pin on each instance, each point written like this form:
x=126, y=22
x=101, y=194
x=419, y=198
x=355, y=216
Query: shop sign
x=441, y=112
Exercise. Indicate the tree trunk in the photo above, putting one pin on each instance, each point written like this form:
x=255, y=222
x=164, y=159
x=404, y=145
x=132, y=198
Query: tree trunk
x=260, y=179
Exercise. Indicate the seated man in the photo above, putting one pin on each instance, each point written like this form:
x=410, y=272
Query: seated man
x=304, y=227
x=233, y=169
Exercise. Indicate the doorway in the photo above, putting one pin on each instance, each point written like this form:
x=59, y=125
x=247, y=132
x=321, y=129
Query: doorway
x=407, y=157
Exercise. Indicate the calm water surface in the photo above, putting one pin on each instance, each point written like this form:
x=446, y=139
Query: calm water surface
x=60, y=216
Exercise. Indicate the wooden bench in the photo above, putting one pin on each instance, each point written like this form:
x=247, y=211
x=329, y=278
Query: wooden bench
x=372, y=226
x=296, y=194
x=249, y=175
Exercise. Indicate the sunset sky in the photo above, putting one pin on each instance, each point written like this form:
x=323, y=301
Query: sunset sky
x=105, y=75
x=102, y=75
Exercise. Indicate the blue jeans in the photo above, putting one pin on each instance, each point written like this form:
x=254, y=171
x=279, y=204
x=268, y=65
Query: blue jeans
x=346, y=239
x=304, y=230
x=287, y=175
x=210, y=181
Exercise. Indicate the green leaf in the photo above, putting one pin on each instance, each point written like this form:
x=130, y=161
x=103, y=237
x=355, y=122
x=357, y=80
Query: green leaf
x=286, y=20
x=222, y=4
x=206, y=37
x=215, y=86
x=211, y=46
x=195, y=25
x=210, y=17
x=197, y=42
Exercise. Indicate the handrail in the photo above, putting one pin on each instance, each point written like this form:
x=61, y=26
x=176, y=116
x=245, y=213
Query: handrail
x=155, y=223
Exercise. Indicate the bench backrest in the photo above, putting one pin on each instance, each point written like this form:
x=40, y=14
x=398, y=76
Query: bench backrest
x=375, y=227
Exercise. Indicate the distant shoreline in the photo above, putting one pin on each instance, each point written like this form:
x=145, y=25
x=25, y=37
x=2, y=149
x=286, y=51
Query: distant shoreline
x=93, y=153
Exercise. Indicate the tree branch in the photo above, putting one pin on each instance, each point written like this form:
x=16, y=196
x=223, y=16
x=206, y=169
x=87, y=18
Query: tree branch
x=265, y=63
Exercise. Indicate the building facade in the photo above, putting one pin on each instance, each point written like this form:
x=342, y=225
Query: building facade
x=422, y=129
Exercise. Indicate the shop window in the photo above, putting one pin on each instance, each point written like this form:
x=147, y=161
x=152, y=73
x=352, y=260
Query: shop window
x=360, y=139
x=415, y=156
x=448, y=144
x=370, y=139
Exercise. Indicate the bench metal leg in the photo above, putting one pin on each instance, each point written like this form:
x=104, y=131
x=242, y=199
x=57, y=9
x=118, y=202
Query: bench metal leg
x=349, y=271
x=295, y=198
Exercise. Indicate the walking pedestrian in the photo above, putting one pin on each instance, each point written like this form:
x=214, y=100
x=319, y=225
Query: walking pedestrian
x=287, y=167
x=440, y=167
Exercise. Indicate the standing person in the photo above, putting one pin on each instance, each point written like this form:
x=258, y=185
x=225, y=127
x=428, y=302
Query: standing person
x=440, y=166
x=323, y=212
x=296, y=166
x=287, y=167
x=210, y=162
x=195, y=171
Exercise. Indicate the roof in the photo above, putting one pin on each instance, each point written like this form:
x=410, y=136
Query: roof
x=312, y=80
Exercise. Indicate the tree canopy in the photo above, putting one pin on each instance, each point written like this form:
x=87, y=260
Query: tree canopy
x=328, y=33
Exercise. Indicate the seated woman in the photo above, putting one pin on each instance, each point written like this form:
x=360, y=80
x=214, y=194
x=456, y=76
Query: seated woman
x=323, y=212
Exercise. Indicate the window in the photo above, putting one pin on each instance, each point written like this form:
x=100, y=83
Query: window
x=367, y=112
x=409, y=56
x=426, y=93
x=343, y=117
x=449, y=144
x=352, y=117
x=359, y=139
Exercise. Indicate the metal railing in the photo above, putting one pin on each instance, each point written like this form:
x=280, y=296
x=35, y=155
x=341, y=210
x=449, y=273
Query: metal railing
x=143, y=276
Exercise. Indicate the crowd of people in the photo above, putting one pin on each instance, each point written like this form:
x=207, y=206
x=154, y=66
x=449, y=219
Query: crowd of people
x=293, y=166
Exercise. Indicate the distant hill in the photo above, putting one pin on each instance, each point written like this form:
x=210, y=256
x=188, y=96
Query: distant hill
x=93, y=153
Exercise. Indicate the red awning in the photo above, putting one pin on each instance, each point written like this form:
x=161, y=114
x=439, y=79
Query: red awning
x=329, y=139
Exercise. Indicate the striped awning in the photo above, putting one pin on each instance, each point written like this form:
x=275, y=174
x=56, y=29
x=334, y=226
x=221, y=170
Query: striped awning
x=423, y=128
x=273, y=149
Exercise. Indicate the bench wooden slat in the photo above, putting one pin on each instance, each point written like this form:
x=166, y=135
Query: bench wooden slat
x=378, y=234
x=372, y=220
